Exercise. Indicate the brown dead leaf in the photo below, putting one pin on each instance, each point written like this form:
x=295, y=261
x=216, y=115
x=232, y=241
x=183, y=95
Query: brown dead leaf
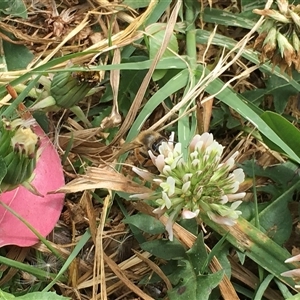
x=103, y=177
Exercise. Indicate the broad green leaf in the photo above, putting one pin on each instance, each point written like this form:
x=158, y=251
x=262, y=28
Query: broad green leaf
x=146, y=223
x=17, y=56
x=284, y=129
x=33, y=296
x=197, y=255
x=226, y=18
x=189, y=224
x=282, y=175
x=129, y=85
x=192, y=285
x=14, y=8
x=164, y=249
x=6, y=296
x=276, y=219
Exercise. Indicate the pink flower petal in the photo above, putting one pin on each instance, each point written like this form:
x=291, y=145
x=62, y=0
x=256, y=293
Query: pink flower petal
x=41, y=212
x=291, y=273
x=221, y=220
x=293, y=258
x=143, y=173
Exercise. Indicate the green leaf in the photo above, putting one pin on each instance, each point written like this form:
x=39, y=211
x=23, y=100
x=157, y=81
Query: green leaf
x=33, y=296
x=164, y=249
x=3, y=169
x=222, y=17
x=136, y=4
x=155, y=41
x=278, y=88
x=249, y=5
x=275, y=217
x=295, y=297
x=235, y=101
x=158, y=11
x=282, y=175
x=172, y=86
x=284, y=129
x=17, y=56
x=257, y=246
x=15, y=8
x=129, y=85
x=146, y=223
x=192, y=285
x=197, y=255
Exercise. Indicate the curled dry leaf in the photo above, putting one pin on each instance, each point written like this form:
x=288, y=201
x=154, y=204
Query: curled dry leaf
x=103, y=178
x=41, y=212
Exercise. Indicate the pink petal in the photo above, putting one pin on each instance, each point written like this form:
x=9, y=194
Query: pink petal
x=291, y=273
x=41, y=212
x=221, y=220
x=143, y=173
x=293, y=258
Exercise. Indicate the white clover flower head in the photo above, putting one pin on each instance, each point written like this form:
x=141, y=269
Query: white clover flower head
x=200, y=183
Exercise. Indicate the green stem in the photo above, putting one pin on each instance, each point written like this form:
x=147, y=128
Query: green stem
x=187, y=125
x=191, y=49
x=33, y=270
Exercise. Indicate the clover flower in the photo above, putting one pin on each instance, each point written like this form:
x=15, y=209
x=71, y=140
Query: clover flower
x=18, y=152
x=279, y=36
x=200, y=183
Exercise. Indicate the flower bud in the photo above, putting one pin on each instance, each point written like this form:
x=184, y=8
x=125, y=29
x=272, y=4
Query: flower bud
x=68, y=90
x=286, y=49
x=19, y=151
